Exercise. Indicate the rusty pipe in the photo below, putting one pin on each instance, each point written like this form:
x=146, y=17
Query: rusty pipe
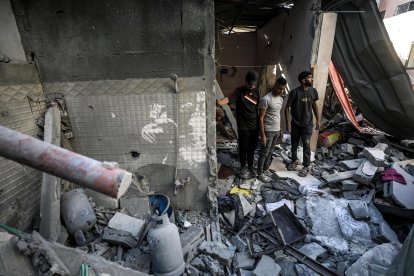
x=102, y=177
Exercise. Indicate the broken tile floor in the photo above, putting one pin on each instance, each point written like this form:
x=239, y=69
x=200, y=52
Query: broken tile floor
x=328, y=223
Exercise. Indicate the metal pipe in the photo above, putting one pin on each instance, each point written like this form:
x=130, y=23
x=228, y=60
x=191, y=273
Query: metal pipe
x=103, y=177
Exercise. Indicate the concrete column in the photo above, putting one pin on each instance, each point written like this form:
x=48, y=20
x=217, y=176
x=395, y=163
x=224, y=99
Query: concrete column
x=323, y=57
x=50, y=196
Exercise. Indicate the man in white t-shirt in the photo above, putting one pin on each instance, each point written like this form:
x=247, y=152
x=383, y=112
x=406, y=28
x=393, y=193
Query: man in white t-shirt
x=269, y=125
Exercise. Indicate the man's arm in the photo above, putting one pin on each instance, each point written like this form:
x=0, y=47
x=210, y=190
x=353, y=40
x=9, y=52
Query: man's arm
x=262, y=112
x=222, y=101
x=287, y=110
x=316, y=112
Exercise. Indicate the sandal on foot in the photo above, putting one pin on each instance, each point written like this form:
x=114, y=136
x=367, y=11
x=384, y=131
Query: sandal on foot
x=304, y=172
x=292, y=166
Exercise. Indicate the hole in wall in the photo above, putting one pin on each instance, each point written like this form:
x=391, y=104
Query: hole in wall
x=135, y=154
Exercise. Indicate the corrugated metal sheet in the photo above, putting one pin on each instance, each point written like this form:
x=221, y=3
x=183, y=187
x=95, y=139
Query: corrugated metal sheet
x=20, y=106
x=372, y=71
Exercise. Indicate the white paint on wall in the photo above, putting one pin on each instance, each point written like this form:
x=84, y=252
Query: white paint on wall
x=165, y=159
x=159, y=115
x=195, y=151
x=185, y=106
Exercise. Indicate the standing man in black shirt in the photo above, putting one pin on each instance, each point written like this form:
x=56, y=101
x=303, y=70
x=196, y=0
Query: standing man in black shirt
x=301, y=103
x=247, y=99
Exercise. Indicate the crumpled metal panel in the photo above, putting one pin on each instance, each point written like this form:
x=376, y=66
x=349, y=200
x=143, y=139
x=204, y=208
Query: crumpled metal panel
x=372, y=71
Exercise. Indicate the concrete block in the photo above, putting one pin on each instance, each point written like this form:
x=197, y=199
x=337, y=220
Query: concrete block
x=217, y=250
x=102, y=200
x=302, y=269
x=243, y=260
x=348, y=148
x=375, y=156
x=313, y=250
x=212, y=266
x=137, y=207
x=198, y=263
x=241, y=245
x=337, y=177
x=365, y=172
x=403, y=194
x=356, y=142
x=359, y=210
x=351, y=164
x=267, y=267
x=244, y=272
x=126, y=223
x=381, y=146
x=190, y=240
x=119, y=237
x=349, y=185
x=385, y=234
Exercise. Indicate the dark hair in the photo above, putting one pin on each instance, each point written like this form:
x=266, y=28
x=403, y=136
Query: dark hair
x=252, y=76
x=281, y=81
x=303, y=75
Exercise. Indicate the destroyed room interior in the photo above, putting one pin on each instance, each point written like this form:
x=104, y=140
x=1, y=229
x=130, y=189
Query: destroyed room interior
x=207, y=137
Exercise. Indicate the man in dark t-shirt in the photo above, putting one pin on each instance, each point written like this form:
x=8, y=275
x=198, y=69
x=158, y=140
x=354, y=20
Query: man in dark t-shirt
x=301, y=103
x=247, y=99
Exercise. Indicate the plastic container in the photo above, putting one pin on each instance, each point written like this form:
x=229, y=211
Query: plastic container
x=328, y=138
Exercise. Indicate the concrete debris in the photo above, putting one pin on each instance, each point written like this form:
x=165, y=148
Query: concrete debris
x=349, y=185
x=359, y=210
x=267, y=267
x=365, y=172
x=212, y=266
x=313, y=250
x=382, y=255
x=351, y=164
x=403, y=194
x=338, y=177
x=119, y=237
x=243, y=260
x=375, y=155
x=137, y=207
x=217, y=250
x=127, y=223
x=190, y=240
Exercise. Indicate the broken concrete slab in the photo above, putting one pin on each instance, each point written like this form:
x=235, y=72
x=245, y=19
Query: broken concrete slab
x=359, y=210
x=267, y=267
x=119, y=237
x=240, y=244
x=244, y=272
x=351, y=164
x=212, y=266
x=302, y=269
x=137, y=207
x=334, y=244
x=102, y=200
x=357, y=142
x=351, y=229
x=337, y=177
x=243, y=260
x=375, y=156
x=197, y=262
x=382, y=255
x=403, y=193
x=217, y=250
x=138, y=261
x=190, y=240
x=385, y=233
x=127, y=223
x=349, y=185
x=309, y=180
x=313, y=250
x=12, y=262
x=365, y=172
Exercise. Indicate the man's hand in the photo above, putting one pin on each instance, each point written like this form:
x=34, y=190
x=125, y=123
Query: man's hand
x=222, y=101
x=317, y=125
x=264, y=140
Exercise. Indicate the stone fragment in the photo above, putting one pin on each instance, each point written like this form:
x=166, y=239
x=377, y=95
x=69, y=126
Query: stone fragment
x=217, y=250
x=267, y=267
x=375, y=156
x=243, y=260
x=127, y=223
x=137, y=207
x=337, y=177
x=351, y=164
x=384, y=233
x=302, y=269
x=359, y=210
x=313, y=250
x=190, y=240
x=197, y=262
x=382, y=255
x=349, y=185
x=241, y=246
x=138, y=261
x=193, y=271
x=287, y=266
x=244, y=272
x=334, y=244
x=212, y=266
x=119, y=237
x=351, y=229
x=102, y=200
x=365, y=172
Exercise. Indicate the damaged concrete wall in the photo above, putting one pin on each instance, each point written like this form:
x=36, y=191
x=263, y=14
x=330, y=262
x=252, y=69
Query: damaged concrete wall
x=237, y=54
x=112, y=63
x=21, y=104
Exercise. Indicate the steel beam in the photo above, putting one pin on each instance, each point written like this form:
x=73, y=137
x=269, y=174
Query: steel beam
x=103, y=177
